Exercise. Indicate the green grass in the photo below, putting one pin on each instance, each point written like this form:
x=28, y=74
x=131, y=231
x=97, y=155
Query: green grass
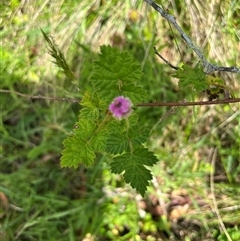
x=40, y=201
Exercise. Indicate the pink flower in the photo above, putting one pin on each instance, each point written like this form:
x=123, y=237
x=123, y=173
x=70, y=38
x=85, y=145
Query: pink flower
x=121, y=107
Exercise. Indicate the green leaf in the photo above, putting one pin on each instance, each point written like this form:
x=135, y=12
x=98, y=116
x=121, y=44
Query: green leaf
x=119, y=163
x=124, y=124
x=92, y=106
x=144, y=156
x=80, y=148
x=122, y=136
x=136, y=93
x=133, y=166
x=94, y=133
x=85, y=129
x=113, y=71
x=133, y=119
x=77, y=148
x=76, y=151
x=93, y=101
x=89, y=113
x=138, y=177
x=98, y=142
x=117, y=143
x=116, y=64
x=191, y=77
x=138, y=135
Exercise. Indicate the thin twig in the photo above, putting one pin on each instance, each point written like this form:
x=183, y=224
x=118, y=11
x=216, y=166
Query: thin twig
x=208, y=67
x=166, y=61
x=186, y=103
x=39, y=96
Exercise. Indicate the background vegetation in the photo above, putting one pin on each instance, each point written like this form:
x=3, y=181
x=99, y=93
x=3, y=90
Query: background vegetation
x=189, y=199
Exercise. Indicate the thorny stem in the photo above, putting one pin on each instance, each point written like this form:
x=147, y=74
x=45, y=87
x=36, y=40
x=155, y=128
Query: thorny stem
x=190, y=103
x=153, y=104
x=208, y=67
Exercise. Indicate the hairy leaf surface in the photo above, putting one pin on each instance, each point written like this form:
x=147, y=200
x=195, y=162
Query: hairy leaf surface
x=113, y=71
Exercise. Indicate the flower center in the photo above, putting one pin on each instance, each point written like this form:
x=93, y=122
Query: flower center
x=118, y=104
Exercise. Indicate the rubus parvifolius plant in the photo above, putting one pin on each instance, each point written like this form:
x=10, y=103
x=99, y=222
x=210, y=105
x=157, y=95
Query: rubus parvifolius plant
x=108, y=124
x=107, y=121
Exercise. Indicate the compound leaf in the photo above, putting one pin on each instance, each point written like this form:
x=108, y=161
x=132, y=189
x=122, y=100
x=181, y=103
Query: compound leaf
x=114, y=64
x=191, y=77
x=112, y=71
x=133, y=164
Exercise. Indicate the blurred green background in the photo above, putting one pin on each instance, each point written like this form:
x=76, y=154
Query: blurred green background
x=188, y=199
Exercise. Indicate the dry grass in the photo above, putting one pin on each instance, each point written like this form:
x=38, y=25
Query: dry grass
x=213, y=26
